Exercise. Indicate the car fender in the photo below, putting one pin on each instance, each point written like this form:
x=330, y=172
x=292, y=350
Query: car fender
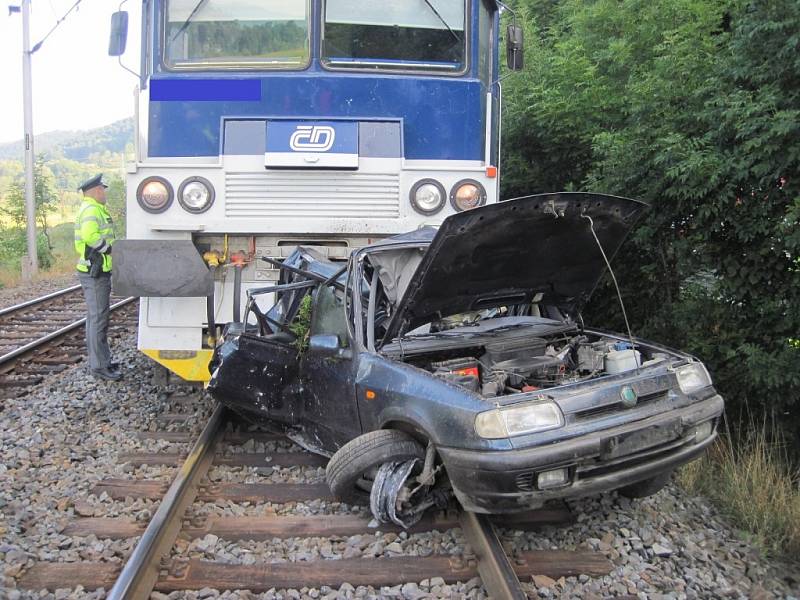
x=391, y=391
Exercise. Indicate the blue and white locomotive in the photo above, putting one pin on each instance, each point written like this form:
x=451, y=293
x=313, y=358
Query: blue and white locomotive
x=266, y=124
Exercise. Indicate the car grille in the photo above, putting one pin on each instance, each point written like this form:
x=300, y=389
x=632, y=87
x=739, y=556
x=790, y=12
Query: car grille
x=301, y=194
x=596, y=412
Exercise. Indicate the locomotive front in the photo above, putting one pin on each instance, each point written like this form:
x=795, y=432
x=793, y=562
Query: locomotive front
x=265, y=125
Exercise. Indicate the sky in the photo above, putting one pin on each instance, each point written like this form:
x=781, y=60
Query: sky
x=76, y=85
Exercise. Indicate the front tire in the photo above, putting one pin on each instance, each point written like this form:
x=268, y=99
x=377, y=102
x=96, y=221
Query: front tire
x=351, y=470
x=646, y=487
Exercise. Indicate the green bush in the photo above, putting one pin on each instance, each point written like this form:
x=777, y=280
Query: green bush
x=693, y=106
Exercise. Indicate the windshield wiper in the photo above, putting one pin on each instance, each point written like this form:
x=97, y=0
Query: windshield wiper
x=441, y=18
x=188, y=20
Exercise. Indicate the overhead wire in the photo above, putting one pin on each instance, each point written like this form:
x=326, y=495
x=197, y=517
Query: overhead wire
x=56, y=26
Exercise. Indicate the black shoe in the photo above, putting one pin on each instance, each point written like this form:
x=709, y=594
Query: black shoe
x=108, y=374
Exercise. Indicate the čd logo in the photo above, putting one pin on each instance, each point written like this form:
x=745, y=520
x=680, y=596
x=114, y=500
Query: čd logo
x=312, y=138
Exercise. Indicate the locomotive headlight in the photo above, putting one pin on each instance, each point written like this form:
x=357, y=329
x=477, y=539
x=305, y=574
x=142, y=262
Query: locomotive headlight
x=154, y=194
x=196, y=194
x=518, y=420
x=467, y=194
x=427, y=196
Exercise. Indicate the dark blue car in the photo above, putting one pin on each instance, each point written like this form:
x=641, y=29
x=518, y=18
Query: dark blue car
x=454, y=361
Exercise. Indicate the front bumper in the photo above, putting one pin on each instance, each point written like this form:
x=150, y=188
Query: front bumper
x=505, y=481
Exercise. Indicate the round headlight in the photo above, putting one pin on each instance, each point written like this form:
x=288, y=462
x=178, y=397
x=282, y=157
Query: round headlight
x=427, y=196
x=196, y=194
x=467, y=194
x=154, y=194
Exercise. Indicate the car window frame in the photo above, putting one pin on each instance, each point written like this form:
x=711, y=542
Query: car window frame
x=344, y=331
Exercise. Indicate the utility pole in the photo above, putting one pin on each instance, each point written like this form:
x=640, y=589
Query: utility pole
x=32, y=268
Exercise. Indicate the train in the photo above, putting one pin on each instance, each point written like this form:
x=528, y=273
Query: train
x=263, y=125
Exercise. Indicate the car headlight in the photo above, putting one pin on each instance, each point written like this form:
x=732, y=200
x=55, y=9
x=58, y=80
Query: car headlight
x=518, y=420
x=692, y=377
x=196, y=194
x=427, y=196
x=154, y=194
x=467, y=194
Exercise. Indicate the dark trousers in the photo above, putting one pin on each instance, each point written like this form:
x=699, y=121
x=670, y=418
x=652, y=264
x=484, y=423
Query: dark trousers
x=97, y=292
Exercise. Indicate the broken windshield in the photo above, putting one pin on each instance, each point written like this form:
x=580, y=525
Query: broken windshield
x=417, y=34
x=236, y=33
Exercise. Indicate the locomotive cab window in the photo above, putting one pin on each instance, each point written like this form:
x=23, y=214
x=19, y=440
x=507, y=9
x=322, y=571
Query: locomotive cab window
x=426, y=35
x=236, y=34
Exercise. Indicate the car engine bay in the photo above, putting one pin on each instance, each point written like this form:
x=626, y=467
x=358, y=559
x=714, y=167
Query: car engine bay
x=518, y=361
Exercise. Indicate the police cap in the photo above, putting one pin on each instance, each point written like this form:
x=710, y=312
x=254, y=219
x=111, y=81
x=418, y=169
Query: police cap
x=93, y=182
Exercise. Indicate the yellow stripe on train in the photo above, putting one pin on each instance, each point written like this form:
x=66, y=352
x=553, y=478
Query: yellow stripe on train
x=190, y=365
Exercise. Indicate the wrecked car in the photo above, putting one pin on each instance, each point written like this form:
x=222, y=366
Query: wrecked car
x=454, y=361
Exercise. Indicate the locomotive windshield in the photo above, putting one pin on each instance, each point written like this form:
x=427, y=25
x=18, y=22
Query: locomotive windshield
x=415, y=34
x=231, y=33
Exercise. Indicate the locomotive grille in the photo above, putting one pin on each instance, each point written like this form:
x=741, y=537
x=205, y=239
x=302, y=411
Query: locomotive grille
x=312, y=194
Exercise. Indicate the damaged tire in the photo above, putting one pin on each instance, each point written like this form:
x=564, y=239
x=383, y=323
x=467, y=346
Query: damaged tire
x=351, y=471
x=647, y=487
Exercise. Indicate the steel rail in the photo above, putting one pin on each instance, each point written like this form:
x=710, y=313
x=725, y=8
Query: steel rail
x=495, y=569
x=54, y=334
x=140, y=573
x=39, y=300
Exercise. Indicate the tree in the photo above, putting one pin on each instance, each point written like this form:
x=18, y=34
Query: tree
x=45, y=199
x=116, y=203
x=694, y=106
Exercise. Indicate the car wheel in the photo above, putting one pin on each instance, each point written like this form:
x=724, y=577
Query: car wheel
x=646, y=487
x=351, y=471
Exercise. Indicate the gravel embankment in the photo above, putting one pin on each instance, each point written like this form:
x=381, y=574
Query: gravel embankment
x=65, y=436
x=28, y=291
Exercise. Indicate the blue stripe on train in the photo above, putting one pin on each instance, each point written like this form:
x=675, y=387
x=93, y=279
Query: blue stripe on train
x=443, y=118
x=205, y=90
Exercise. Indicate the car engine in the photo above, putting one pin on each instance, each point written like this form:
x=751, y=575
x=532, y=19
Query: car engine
x=516, y=364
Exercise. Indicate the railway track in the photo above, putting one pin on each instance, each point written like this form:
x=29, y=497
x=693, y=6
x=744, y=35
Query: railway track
x=154, y=564
x=43, y=336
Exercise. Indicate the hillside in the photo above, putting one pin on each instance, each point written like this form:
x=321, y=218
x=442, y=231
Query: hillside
x=71, y=156
x=79, y=146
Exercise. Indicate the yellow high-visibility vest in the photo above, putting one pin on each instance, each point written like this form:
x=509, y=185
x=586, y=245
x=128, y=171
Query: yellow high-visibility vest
x=93, y=229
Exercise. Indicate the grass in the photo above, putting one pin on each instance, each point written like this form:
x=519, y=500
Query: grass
x=755, y=487
x=63, y=263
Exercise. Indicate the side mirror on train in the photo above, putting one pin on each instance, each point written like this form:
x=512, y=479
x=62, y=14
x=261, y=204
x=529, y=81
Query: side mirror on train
x=514, y=47
x=119, y=33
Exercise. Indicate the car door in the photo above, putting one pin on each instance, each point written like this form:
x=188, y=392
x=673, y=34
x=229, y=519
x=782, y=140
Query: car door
x=327, y=376
x=257, y=375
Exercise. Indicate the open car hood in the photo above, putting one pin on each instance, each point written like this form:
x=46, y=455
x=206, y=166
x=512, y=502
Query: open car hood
x=533, y=249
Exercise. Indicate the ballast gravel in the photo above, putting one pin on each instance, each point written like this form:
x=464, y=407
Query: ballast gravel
x=18, y=294
x=64, y=437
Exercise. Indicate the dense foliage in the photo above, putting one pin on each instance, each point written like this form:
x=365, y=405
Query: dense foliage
x=57, y=200
x=13, y=240
x=693, y=106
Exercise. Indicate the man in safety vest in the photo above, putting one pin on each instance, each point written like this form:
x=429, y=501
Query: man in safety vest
x=94, y=237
